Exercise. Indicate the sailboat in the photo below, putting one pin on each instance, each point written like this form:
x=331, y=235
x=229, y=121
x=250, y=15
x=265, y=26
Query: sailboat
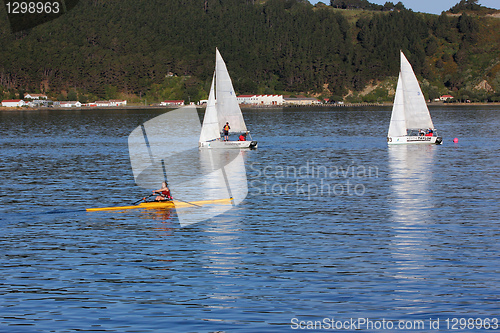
x=410, y=121
x=222, y=108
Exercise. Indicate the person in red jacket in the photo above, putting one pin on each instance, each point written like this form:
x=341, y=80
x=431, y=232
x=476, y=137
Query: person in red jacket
x=163, y=193
x=243, y=137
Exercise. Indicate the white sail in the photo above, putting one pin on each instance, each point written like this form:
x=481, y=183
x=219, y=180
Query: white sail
x=397, y=126
x=228, y=109
x=410, y=109
x=416, y=112
x=210, y=129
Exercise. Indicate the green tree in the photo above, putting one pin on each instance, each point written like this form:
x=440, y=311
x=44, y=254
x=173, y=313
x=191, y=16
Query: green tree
x=111, y=92
x=72, y=96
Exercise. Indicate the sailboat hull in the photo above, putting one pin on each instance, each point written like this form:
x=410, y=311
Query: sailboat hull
x=229, y=144
x=401, y=140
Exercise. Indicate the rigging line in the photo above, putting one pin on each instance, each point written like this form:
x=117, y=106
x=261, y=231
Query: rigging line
x=147, y=144
x=224, y=175
x=166, y=180
x=164, y=170
x=227, y=185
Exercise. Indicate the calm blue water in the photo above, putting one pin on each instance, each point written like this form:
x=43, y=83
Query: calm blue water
x=336, y=225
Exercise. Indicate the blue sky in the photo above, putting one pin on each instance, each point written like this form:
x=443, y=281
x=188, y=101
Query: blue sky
x=427, y=6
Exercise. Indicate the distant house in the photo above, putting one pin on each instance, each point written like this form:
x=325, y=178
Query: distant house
x=260, y=99
x=301, y=100
x=35, y=96
x=117, y=102
x=102, y=103
x=37, y=103
x=172, y=103
x=246, y=99
x=111, y=102
x=13, y=103
x=70, y=104
x=446, y=97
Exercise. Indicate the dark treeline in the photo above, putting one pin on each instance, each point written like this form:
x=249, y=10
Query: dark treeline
x=365, y=4
x=103, y=47
x=465, y=5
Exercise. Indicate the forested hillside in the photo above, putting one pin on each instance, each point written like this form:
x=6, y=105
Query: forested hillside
x=165, y=49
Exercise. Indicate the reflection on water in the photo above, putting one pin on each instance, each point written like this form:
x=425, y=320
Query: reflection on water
x=223, y=256
x=422, y=241
x=411, y=170
x=411, y=174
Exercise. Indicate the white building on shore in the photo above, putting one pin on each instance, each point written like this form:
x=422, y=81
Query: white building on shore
x=35, y=96
x=172, y=103
x=70, y=104
x=13, y=103
x=102, y=103
x=117, y=102
x=260, y=99
x=110, y=103
x=301, y=100
x=445, y=98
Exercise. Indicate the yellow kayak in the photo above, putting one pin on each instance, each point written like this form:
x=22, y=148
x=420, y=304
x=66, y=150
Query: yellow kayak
x=166, y=205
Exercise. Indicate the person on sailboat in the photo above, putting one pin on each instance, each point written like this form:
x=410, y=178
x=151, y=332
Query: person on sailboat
x=243, y=137
x=163, y=193
x=226, y=129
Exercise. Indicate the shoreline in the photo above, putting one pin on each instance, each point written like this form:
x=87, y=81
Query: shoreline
x=152, y=107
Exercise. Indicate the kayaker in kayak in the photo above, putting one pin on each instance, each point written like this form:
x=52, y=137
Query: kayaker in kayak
x=163, y=193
